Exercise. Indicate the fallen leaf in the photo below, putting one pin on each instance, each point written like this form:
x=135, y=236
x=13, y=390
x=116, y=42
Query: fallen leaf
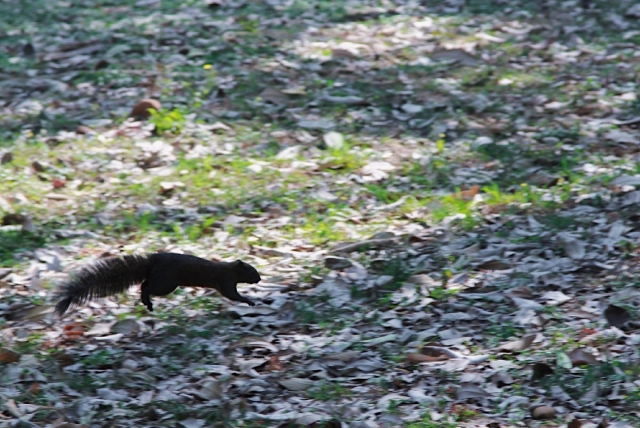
x=541, y=370
x=543, y=413
x=494, y=265
x=296, y=384
x=575, y=249
x=126, y=327
x=468, y=194
x=333, y=140
x=142, y=109
x=8, y=356
x=337, y=263
x=579, y=357
x=274, y=364
x=502, y=379
x=211, y=390
x=619, y=136
x=519, y=345
x=456, y=55
x=563, y=360
x=421, y=358
x=616, y=316
x=34, y=389
x=471, y=391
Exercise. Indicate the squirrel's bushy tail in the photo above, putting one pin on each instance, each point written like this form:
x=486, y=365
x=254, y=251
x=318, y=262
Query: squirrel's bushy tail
x=106, y=277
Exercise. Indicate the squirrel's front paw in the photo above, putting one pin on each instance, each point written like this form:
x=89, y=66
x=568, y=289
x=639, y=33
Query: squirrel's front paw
x=247, y=301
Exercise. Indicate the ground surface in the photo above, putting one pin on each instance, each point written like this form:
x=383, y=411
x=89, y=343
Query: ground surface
x=440, y=196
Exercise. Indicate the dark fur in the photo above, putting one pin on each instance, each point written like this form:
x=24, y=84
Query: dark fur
x=159, y=274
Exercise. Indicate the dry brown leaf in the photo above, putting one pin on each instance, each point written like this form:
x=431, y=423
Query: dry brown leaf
x=142, y=109
x=468, y=194
x=457, y=55
x=616, y=316
x=502, y=379
x=7, y=157
x=64, y=359
x=274, y=363
x=74, y=331
x=604, y=423
x=8, y=356
x=343, y=53
x=518, y=345
x=274, y=96
x=494, y=265
x=421, y=358
x=543, y=413
x=471, y=391
x=540, y=370
x=34, y=389
x=127, y=327
x=296, y=384
x=580, y=357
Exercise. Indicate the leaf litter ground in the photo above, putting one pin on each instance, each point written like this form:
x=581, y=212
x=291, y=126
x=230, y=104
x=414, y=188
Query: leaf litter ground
x=441, y=198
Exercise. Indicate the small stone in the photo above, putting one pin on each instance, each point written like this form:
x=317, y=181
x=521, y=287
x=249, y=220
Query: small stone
x=141, y=110
x=543, y=412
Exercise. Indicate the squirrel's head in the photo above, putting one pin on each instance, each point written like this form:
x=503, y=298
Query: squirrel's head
x=246, y=273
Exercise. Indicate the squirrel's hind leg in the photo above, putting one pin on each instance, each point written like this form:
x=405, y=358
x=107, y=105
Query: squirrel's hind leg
x=159, y=282
x=145, y=295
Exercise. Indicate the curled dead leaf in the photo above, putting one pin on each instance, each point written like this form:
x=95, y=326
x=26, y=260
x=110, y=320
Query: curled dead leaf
x=8, y=356
x=579, y=357
x=502, y=379
x=296, y=384
x=346, y=356
x=274, y=363
x=616, y=316
x=471, y=391
x=459, y=56
x=64, y=359
x=543, y=413
x=469, y=194
x=84, y=130
x=494, y=265
x=74, y=330
x=211, y=390
x=337, y=263
x=421, y=358
x=34, y=389
x=540, y=370
x=518, y=345
x=127, y=326
x=142, y=109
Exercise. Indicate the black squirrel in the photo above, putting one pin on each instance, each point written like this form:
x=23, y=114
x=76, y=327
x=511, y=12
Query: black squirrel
x=159, y=274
